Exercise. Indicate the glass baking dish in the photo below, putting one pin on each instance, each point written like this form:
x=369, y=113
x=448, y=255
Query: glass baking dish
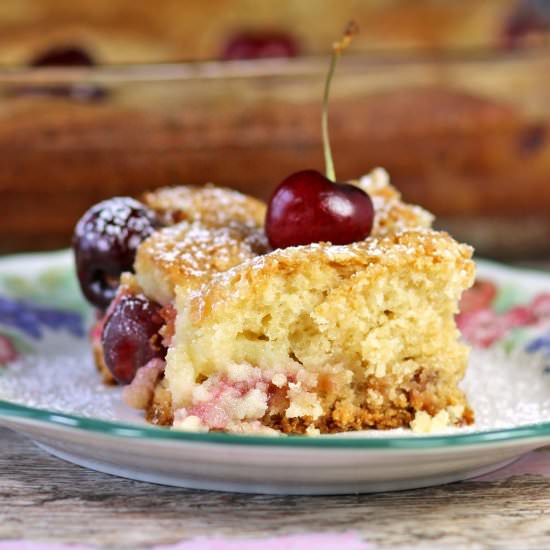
x=466, y=135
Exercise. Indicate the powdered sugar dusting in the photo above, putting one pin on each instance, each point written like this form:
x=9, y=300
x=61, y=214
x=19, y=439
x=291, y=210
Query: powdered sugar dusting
x=504, y=390
x=507, y=389
x=211, y=205
x=397, y=251
x=116, y=218
x=61, y=377
x=201, y=249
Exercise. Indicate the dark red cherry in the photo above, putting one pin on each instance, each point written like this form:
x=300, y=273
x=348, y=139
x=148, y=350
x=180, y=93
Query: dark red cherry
x=260, y=44
x=131, y=336
x=64, y=56
x=307, y=208
x=529, y=19
x=105, y=242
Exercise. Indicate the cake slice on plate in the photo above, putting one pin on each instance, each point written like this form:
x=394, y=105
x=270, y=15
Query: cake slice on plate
x=324, y=338
x=317, y=337
x=304, y=339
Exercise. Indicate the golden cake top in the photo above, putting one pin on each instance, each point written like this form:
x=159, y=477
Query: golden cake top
x=422, y=249
x=391, y=214
x=222, y=228
x=211, y=205
x=187, y=254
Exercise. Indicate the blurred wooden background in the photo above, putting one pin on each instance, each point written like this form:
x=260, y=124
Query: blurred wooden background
x=451, y=97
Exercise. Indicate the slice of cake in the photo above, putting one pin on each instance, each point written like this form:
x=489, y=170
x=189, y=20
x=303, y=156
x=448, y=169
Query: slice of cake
x=308, y=339
x=323, y=338
x=224, y=363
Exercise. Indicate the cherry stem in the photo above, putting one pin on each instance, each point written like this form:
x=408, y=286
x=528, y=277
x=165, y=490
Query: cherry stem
x=337, y=49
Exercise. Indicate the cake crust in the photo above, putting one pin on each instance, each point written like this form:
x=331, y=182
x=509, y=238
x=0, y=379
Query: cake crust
x=392, y=215
x=187, y=254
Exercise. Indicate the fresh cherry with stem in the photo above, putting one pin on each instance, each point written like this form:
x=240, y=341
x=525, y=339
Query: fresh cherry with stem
x=308, y=207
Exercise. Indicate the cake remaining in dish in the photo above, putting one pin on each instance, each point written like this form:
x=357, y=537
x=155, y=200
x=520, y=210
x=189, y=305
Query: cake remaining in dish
x=309, y=339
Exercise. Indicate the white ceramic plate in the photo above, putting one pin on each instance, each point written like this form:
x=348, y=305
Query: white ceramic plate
x=50, y=391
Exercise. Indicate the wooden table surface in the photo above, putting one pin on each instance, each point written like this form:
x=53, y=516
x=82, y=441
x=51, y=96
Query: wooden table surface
x=45, y=499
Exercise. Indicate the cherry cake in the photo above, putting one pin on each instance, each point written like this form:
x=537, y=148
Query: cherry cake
x=218, y=316
x=330, y=309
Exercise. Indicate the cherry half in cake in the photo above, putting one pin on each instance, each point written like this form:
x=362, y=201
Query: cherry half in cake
x=131, y=336
x=308, y=207
x=64, y=56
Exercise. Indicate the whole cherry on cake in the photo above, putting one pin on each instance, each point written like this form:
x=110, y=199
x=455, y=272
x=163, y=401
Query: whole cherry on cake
x=308, y=207
x=105, y=243
x=131, y=337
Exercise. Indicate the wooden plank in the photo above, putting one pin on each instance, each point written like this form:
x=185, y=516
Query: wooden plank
x=43, y=498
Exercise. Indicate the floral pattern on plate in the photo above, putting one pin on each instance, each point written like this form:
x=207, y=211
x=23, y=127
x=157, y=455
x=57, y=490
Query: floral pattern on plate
x=34, y=301
x=503, y=316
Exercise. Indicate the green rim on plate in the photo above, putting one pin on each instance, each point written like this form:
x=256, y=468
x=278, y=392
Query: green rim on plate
x=153, y=433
